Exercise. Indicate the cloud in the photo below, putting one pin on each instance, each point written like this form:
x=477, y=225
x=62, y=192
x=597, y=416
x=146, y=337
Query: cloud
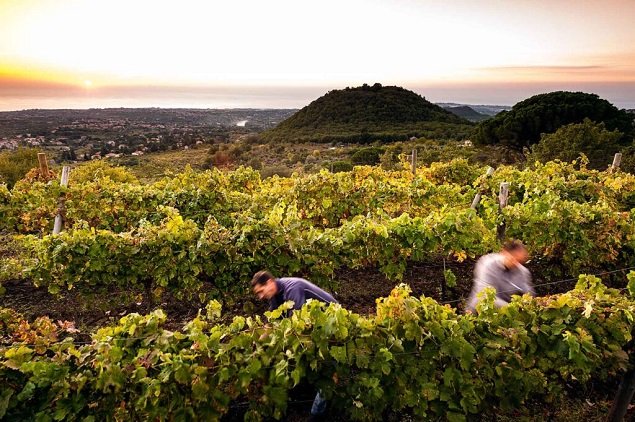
x=546, y=69
x=16, y=86
x=605, y=72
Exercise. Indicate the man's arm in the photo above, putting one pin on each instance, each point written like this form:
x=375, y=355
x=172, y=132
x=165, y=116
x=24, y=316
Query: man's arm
x=529, y=286
x=296, y=294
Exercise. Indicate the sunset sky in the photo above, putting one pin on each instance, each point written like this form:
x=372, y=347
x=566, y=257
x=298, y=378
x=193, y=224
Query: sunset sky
x=243, y=53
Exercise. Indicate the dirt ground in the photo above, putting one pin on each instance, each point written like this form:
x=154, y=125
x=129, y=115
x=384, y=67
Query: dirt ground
x=356, y=290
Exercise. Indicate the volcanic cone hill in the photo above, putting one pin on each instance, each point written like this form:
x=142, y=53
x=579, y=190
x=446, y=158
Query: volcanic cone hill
x=369, y=113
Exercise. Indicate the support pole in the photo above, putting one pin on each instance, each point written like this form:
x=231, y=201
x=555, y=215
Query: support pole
x=414, y=161
x=503, y=197
x=477, y=197
x=616, y=162
x=61, y=208
x=44, y=167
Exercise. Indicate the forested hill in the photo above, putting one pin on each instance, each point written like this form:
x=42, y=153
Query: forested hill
x=368, y=113
x=468, y=113
x=524, y=124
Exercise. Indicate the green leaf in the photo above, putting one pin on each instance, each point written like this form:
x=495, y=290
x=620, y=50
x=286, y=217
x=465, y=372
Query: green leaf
x=200, y=390
x=182, y=375
x=450, y=278
x=6, y=395
x=338, y=353
x=213, y=310
x=456, y=417
x=254, y=366
x=296, y=375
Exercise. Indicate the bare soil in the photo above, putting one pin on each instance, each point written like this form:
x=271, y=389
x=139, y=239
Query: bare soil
x=356, y=290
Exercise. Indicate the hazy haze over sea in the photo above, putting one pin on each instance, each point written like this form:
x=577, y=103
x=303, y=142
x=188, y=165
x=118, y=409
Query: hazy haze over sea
x=621, y=95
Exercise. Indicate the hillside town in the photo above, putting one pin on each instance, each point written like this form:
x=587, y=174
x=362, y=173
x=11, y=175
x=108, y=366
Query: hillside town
x=79, y=135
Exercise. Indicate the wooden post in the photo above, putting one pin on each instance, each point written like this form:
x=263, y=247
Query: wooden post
x=44, y=166
x=414, y=161
x=476, y=201
x=57, y=227
x=477, y=197
x=623, y=397
x=503, y=196
x=616, y=161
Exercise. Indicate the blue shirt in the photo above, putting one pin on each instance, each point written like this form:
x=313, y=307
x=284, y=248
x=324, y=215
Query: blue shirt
x=299, y=291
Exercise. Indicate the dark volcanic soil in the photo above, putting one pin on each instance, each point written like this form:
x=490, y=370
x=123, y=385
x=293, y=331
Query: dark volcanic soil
x=356, y=290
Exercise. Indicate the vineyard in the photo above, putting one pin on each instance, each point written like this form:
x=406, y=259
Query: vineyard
x=199, y=236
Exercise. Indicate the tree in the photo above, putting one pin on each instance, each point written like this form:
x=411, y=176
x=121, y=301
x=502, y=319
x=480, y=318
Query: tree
x=14, y=165
x=367, y=156
x=523, y=125
x=340, y=166
x=588, y=138
x=69, y=155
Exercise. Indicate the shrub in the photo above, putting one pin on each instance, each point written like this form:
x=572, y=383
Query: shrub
x=568, y=142
x=220, y=159
x=275, y=171
x=341, y=166
x=98, y=169
x=255, y=163
x=367, y=156
x=14, y=165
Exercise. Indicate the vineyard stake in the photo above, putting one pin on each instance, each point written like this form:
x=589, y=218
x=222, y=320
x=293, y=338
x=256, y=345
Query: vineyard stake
x=414, y=161
x=616, y=162
x=503, y=197
x=57, y=227
x=477, y=197
x=44, y=167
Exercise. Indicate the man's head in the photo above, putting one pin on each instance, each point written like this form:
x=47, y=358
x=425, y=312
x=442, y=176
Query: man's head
x=264, y=285
x=515, y=253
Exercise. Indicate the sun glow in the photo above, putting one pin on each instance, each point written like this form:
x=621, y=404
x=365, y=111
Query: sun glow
x=248, y=43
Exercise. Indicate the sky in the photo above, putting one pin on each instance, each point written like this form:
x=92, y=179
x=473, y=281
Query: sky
x=286, y=53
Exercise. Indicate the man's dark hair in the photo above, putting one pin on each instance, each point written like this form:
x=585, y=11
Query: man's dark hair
x=261, y=277
x=513, y=245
